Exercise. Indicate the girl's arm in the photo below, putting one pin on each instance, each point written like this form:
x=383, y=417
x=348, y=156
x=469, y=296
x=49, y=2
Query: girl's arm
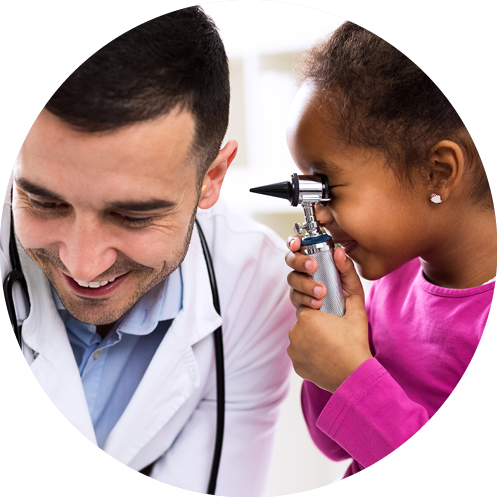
x=369, y=415
x=314, y=400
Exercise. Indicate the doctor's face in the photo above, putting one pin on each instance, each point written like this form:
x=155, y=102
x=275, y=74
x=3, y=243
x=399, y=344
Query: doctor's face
x=106, y=215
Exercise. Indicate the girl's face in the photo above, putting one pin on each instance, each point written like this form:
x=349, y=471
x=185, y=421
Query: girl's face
x=380, y=223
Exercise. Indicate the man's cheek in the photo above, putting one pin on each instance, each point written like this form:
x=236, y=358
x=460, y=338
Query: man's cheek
x=151, y=251
x=32, y=234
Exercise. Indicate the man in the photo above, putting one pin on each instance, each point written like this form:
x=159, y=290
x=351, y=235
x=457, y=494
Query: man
x=104, y=198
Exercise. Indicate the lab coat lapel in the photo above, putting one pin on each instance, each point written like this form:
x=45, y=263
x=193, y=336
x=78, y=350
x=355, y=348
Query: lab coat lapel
x=173, y=373
x=52, y=360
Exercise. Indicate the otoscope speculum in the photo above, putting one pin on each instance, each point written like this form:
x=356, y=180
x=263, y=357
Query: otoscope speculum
x=303, y=190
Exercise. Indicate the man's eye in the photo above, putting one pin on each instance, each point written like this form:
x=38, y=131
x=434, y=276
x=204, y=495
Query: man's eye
x=45, y=205
x=135, y=222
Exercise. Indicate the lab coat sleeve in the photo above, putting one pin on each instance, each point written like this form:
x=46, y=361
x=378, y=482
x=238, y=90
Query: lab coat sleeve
x=256, y=383
x=257, y=316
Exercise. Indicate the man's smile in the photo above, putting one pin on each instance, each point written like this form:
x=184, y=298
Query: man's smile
x=94, y=288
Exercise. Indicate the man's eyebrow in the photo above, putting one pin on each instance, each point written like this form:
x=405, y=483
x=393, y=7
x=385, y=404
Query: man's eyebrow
x=37, y=190
x=125, y=205
x=142, y=205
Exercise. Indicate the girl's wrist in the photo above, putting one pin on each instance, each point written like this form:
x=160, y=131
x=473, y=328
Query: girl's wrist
x=333, y=383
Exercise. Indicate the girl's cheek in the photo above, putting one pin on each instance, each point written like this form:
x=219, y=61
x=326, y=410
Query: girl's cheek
x=324, y=214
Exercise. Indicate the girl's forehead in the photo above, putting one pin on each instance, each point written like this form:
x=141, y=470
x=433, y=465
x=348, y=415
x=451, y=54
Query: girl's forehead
x=316, y=144
x=309, y=105
x=312, y=134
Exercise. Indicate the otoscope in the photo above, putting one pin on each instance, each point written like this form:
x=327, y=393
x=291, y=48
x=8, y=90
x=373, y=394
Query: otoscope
x=309, y=191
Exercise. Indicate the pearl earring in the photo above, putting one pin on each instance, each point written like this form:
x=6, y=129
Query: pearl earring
x=436, y=199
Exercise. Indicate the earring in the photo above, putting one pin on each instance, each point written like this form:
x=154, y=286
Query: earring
x=436, y=199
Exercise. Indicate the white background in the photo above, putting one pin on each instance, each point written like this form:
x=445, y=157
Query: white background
x=43, y=42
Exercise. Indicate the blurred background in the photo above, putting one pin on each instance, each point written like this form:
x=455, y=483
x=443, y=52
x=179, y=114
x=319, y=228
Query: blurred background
x=262, y=40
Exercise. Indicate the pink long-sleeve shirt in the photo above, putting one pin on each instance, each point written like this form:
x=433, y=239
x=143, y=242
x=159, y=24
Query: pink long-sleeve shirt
x=422, y=338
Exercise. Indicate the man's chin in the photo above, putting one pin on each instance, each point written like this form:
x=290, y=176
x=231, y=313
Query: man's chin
x=93, y=313
x=107, y=309
x=101, y=310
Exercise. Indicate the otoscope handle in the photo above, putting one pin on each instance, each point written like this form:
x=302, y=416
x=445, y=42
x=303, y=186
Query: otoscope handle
x=321, y=248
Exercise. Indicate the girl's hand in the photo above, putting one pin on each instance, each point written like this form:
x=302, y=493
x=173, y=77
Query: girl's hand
x=326, y=349
x=304, y=290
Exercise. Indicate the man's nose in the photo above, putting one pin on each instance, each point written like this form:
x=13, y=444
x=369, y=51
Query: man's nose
x=87, y=250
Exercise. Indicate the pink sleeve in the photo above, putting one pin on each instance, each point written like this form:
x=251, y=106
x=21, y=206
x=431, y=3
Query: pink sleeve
x=368, y=416
x=314, y=399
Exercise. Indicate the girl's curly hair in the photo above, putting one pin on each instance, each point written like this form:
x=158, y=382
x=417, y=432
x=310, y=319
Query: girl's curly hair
x=387, y=102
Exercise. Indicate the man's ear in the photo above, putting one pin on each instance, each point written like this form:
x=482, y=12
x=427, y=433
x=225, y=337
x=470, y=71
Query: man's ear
x=214, y=177
x=446, y=168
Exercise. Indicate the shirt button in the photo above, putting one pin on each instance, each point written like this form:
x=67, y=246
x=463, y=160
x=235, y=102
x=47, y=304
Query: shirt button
x=97, y=354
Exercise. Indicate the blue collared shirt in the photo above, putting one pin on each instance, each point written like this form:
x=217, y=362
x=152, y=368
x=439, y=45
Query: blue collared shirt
x=111, y=368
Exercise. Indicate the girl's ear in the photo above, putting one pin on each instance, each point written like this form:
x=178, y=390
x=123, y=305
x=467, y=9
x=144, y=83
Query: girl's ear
x=213, y=179
x=446, y=168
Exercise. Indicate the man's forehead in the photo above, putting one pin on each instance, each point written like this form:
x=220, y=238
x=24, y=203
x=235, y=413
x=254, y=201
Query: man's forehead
x=142, y=167
x=162, y=143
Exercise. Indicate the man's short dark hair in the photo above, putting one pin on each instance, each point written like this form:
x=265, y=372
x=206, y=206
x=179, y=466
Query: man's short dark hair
x=177, y=59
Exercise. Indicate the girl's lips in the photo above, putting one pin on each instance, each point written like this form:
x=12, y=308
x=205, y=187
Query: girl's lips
x=94, y=292
x=348, y=245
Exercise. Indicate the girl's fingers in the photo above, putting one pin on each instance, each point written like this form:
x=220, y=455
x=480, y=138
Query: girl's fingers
x=351, y=283
x=293, y=242
x=301, y=300
x=306, y=286
x=299, y=280
x=299, y=262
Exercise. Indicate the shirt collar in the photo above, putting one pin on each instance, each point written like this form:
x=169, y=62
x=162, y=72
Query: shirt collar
x=161, y=303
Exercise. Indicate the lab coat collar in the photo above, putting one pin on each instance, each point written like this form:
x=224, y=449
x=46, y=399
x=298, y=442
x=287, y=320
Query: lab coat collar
x=46, y=346
x=173, y=373
x=53, y=362
x=197, y=294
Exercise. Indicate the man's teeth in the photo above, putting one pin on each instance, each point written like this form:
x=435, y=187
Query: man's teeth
x=93, y=284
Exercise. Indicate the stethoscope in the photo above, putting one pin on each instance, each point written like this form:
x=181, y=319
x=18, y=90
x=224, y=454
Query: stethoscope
x=17, y=276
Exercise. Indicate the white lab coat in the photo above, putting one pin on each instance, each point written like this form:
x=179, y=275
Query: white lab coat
x=172, y=415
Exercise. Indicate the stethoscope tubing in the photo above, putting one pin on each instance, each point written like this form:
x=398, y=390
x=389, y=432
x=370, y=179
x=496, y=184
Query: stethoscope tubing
x=15, y=276
x=220, y=384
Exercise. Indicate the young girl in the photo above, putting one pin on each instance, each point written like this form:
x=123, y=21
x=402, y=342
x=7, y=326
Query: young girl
x=411, y=206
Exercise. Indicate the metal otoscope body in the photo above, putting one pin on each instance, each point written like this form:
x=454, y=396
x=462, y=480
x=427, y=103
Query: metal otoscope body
x=309, y=191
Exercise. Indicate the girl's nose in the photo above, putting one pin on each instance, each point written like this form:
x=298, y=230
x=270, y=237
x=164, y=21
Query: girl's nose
x=324, y=215
x=86, y=250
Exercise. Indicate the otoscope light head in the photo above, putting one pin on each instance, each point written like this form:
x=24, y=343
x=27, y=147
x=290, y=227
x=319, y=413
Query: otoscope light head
x=299, y=189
